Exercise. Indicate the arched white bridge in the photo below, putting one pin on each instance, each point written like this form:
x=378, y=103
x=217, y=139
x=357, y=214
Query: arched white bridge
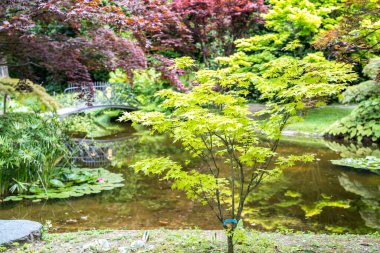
x=105, y=96
x=67, y=111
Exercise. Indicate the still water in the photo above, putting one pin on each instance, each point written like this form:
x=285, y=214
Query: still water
x=317, y=196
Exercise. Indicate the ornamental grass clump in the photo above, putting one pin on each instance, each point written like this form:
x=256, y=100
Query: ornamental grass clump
x=30, y=149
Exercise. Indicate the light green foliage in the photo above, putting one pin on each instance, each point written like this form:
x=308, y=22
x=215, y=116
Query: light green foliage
x=366, y=89
x=73, y=183
x=292, y=25
x=93, y=124
x=196, y=185
x=372, y=68
x=215, y=127
x=118, y=76
x=290, y=81
x=369, y=163
x=299, y=18
x=364, y=121
x=186, y=63
x=30, y=148
x=28, y=94
x=297, y=79
x=143, y=88
x=78, y=124
x=360, y=92
x=285, y=55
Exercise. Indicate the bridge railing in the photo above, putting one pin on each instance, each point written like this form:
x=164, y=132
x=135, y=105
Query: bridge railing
x=99, y=93
x=98, y=153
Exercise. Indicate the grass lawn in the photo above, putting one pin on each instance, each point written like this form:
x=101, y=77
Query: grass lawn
x=317, y=120
x=198, y=241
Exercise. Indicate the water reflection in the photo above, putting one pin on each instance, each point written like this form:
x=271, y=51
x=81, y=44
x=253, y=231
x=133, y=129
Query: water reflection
x=316, y=197
x=370, y=197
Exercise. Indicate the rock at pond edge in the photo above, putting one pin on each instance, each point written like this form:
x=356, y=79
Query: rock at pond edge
x=19, y=231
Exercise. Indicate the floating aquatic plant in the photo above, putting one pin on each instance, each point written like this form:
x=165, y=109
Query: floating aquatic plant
x=73, y=183
x=369, y=163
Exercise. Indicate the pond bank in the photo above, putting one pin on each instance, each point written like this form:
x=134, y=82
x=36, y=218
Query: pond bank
x=199, y=241
x=315, y=120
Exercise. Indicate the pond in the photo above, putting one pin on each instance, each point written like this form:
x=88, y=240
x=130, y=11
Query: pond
x=309, y=197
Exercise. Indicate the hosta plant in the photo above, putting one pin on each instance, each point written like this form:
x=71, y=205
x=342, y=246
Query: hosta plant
x=364, y=121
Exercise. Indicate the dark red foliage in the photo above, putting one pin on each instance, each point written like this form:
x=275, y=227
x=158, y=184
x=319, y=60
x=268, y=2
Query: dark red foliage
x=215, y=24
x=168, y=73
x=66, y=39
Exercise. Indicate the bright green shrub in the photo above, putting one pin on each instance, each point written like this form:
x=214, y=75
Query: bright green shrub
x=361, y=92
x=367, y=89
x=364, y=122
x=142, y=92
x=30, y=148
x=28, y=94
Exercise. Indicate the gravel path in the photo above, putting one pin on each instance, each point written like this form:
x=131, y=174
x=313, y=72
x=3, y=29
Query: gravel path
x=200, y=241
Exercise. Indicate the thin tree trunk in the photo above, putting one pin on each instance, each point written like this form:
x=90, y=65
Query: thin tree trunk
x=5, y=104
x=230, y=241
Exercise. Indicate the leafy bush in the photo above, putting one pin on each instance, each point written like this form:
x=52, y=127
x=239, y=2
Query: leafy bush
x=30, y=149
x=27, y=94
x=93, y=124
x=361, y=92
x=367, y=89
x=142, y=92
x=362, y=124
x=79, y=125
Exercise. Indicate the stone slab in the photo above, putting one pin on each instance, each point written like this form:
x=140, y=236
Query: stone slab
x=19, y=231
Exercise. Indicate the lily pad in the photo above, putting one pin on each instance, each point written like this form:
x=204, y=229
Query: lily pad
x=369, y=163
x=87, y=185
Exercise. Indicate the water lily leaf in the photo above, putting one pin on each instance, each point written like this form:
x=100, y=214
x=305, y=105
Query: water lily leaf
x=83, y=182
x=12, y=198
x=369, y=163
x=56, y=183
